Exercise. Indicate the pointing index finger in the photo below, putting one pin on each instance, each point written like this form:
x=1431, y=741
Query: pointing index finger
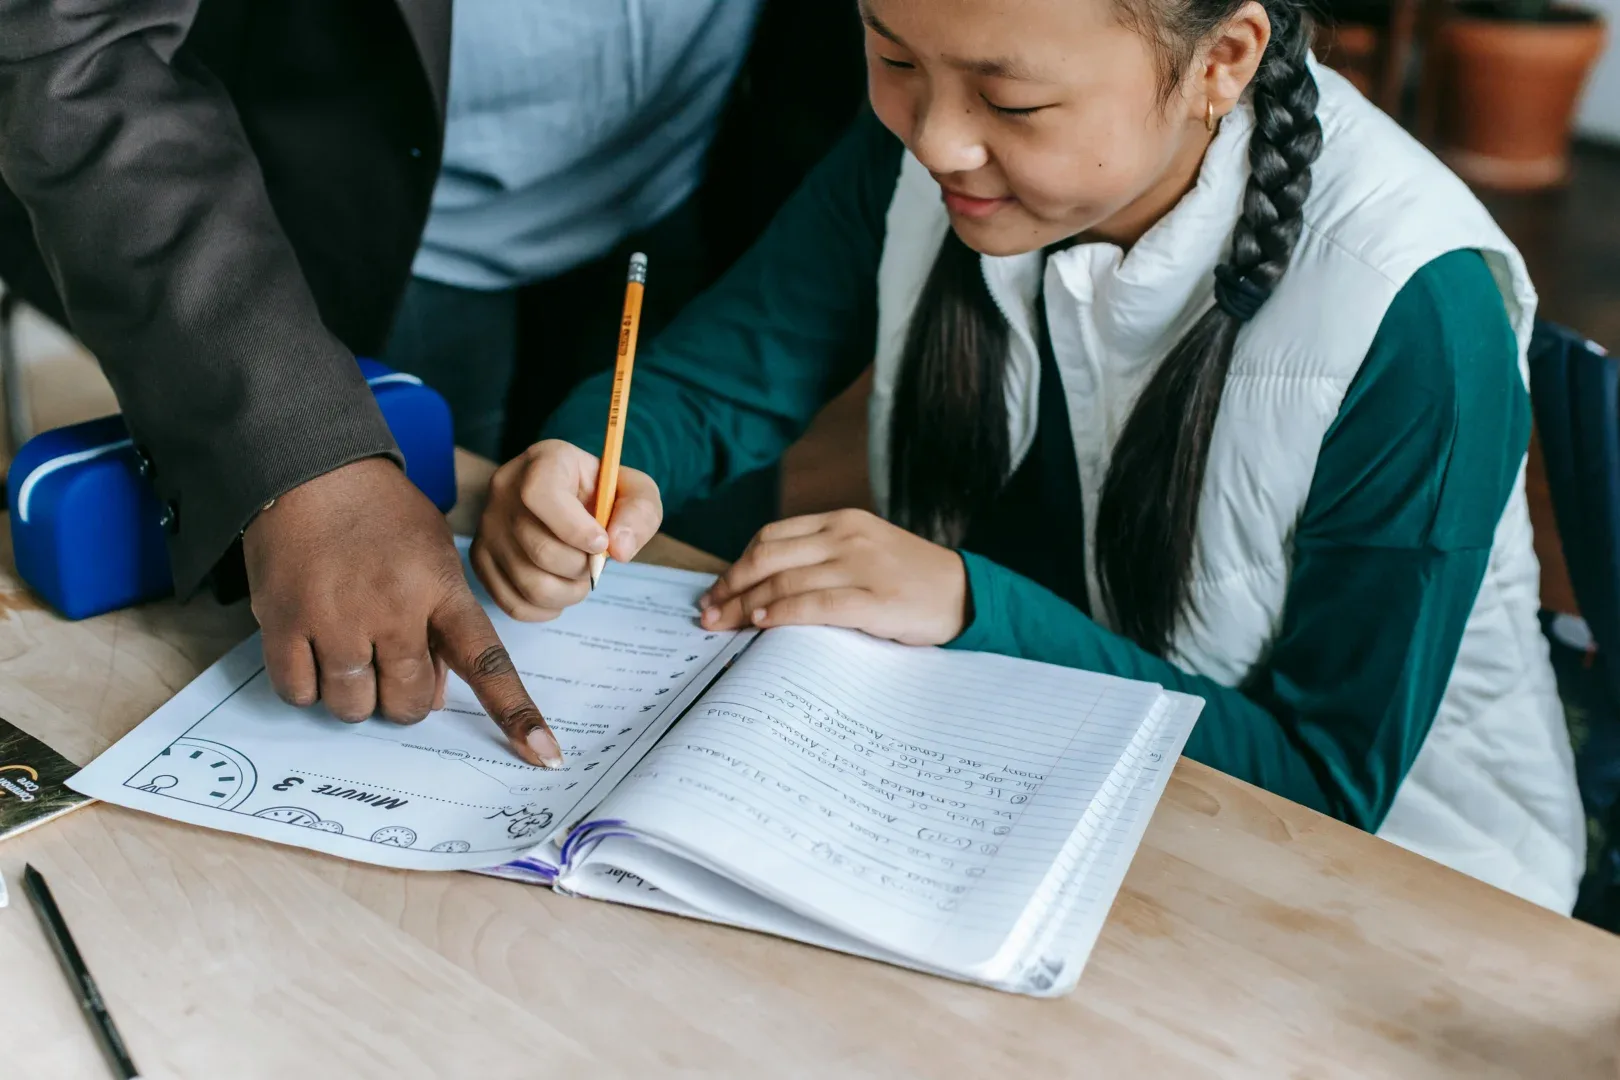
x=465, y=638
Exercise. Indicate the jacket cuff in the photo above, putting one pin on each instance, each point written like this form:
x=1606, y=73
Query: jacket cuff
x=212, y=484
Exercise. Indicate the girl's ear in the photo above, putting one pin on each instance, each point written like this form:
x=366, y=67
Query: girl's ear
x=1229, y=59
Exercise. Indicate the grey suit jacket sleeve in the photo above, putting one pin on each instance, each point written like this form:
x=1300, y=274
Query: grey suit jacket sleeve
x=150, y=209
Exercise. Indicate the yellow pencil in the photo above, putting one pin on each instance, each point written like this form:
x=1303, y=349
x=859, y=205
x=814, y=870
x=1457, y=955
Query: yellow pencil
x=607, y=480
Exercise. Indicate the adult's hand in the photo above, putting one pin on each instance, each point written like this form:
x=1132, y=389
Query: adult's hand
x=361, y=597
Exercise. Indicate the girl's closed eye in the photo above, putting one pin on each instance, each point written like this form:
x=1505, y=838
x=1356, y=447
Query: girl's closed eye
x=897, y=65
x=1010, y=110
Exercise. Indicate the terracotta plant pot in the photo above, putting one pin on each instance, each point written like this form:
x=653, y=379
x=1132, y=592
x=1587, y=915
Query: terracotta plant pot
x=1354, y=50
x=1508, y=91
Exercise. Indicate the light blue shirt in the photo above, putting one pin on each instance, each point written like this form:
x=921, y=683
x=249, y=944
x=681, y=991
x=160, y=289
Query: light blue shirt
x=572, y=124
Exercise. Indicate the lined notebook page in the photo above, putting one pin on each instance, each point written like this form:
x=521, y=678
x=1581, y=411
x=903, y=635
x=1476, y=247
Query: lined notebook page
x=1054, y=960
x=915, y=798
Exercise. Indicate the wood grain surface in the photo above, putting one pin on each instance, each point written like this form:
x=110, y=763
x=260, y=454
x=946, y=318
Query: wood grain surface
x=1252, y=938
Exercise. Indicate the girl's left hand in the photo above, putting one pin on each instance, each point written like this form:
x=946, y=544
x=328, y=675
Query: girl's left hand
x=847, y=568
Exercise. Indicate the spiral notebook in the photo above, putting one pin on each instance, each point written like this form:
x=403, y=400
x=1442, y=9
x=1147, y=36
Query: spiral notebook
x=965, y=814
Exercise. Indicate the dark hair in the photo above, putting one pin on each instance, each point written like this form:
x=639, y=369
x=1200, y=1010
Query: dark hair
x=949, y=444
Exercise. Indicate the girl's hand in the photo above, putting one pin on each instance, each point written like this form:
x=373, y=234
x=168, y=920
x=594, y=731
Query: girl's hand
x=848, y=568
x=539, y=529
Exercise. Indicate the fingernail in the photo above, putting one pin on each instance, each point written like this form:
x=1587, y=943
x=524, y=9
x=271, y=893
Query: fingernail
x=759, y=616
x=625, y=537
x=710, y=615
x=545, y=748
x=598, y=544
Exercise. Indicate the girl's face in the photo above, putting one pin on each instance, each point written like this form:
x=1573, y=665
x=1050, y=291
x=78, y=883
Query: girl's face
x=1040, y=119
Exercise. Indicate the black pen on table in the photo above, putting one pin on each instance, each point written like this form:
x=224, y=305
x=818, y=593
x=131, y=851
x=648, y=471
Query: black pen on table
x=50, y=916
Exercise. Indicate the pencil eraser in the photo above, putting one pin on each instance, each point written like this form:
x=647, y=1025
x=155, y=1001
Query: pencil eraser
x=638, y=268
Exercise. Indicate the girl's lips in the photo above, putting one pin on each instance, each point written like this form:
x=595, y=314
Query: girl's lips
x=968, y=206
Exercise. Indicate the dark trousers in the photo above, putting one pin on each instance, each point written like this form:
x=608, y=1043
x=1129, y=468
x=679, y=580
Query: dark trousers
x=505, y=360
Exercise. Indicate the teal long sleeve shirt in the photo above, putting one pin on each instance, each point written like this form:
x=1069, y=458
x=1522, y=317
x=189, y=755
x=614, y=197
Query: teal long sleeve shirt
x=1389, y=554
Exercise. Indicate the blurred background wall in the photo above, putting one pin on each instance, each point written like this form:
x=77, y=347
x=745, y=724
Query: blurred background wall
x=1599, y=117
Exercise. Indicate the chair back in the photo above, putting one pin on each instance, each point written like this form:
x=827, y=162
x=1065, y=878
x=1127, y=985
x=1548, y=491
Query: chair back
x=1575, y=396
x=1573, y=484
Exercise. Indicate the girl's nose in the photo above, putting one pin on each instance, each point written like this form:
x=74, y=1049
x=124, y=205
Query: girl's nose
x=945, y=139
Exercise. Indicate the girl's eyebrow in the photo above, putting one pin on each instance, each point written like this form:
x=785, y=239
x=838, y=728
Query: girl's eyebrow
x=1000, y=68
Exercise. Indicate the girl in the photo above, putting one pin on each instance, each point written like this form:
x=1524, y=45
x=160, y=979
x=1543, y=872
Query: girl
x=1190, y=366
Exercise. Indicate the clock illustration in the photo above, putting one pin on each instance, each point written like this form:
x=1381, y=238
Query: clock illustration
x=198, y=771
x=290, y=815
x=395, y=835
x=453, y=846
x=297, y=815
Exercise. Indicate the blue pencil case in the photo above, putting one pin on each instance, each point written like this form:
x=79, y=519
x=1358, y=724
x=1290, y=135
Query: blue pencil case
x=88, y=531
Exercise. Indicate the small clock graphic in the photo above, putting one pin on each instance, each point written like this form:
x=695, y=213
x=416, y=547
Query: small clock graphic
x=455, y=847
x=289, y=815
x=297, y=815
x=198, y=771
x=394, y=835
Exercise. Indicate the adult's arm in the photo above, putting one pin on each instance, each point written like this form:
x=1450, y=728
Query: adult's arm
x=151, y=212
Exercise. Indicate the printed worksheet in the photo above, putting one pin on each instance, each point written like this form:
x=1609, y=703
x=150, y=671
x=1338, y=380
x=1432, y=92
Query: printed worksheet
x=611, y=675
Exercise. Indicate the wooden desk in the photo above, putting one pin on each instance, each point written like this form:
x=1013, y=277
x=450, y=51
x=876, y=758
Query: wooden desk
x=1252, y=938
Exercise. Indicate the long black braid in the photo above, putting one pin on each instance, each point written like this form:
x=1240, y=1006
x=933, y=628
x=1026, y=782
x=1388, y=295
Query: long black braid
x=954, y=366
x=1147, y=519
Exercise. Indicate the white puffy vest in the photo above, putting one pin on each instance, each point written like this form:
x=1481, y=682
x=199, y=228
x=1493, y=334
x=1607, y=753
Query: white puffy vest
x=1492, y=792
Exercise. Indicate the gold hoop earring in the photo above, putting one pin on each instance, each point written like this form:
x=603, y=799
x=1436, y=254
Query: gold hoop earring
x=1209, y=117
